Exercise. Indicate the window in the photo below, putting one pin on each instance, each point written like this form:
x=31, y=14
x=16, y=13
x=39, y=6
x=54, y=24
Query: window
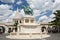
x=20, y=21
x=2, y=29
x=27, y=20
x=32, y=21
x=15, y=21
x=9, y=30
x=43, y=28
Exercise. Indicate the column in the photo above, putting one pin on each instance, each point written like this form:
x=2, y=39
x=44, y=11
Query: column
x=24, y=20
x=14, y=30
x=18, y=21
x=18, y=29
x=34, y=21
x=6, y=29
x=29, y=20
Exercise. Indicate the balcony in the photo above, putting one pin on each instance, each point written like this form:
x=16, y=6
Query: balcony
x=29, y=24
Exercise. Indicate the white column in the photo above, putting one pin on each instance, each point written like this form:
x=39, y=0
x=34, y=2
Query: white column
x=24, y=20
x=29, y=20
x=18, y=29
x=18, y=21
x=6, y=31
x=34, y=21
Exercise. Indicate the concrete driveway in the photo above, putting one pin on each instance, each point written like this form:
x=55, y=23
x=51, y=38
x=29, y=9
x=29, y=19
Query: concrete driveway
x=55, y=36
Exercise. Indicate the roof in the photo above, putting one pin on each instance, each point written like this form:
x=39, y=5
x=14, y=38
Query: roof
x=17, y=15
x=9, y=23
x=28, y=16
x=45, y=23
x=2, y=23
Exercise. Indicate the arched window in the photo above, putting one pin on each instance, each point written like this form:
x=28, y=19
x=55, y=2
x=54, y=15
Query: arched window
x=9, y=30
x=20, y=21
x=2, y=29
x=32, y=20
x=49, y=29
x=43, y=28
x=26, y=20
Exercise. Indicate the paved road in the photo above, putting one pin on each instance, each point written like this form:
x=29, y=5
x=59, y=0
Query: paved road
x=55, y=36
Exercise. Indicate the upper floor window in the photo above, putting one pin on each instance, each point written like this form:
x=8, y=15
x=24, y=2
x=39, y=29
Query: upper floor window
x=27, y=20
x=20, y=21
x=16, y=21
x=32, y=20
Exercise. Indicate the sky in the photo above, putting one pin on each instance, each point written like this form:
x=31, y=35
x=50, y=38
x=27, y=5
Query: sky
x=42, y=9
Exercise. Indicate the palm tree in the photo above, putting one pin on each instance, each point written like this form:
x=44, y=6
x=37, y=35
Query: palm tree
x=56, y=22
x=16, y=24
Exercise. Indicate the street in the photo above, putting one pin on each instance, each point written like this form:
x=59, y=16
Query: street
x=55, y=36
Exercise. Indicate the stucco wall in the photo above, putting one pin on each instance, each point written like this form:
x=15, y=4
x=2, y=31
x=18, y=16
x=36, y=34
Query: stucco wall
x=30, y=29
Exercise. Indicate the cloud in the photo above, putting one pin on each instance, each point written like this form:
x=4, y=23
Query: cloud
x=2, y=6
x=40, y=5
x=57, y=1
x=57, y=6
x=36, y=12
x=52, y=15
x=35, y=3
x=10, y=19
x=45, y=18
x=19, y=2
x=8, y=1
x=5, y=11
x=50, y=18
x=39, y=8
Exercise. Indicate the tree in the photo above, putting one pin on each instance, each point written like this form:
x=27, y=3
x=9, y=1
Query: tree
x=57, y=18
x=16, y=24
x=56, y=22
x=27, y=10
